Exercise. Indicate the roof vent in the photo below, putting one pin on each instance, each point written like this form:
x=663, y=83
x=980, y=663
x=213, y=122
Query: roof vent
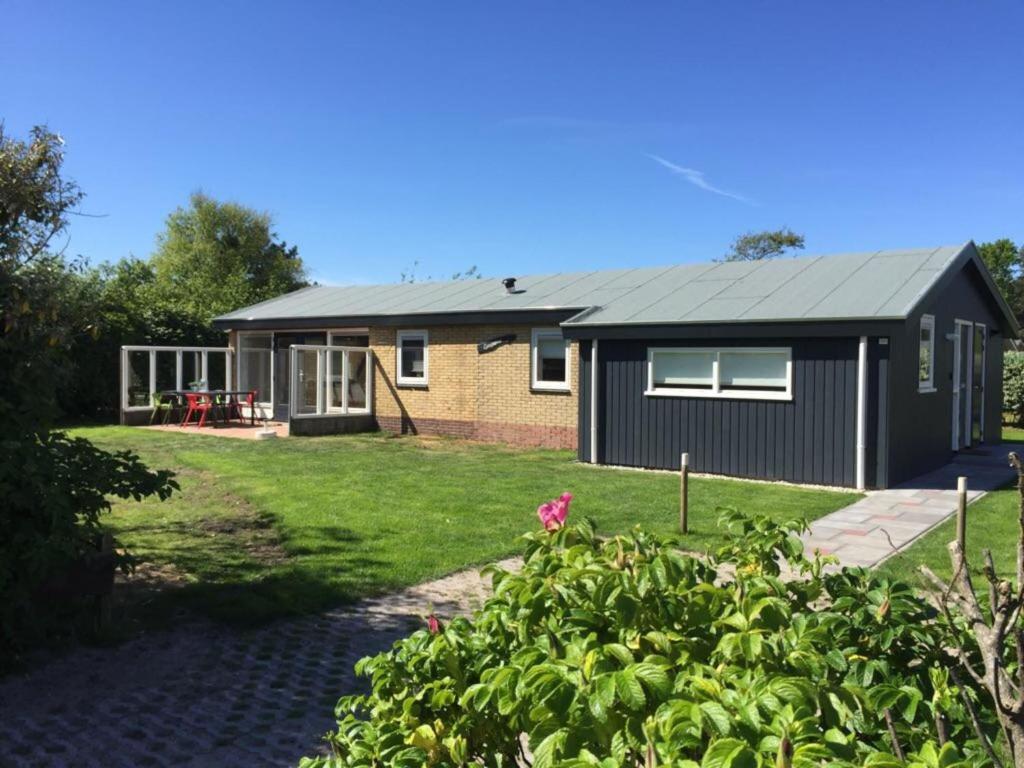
x=510, y=284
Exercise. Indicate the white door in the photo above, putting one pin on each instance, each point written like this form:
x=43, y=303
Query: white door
x=962, y=340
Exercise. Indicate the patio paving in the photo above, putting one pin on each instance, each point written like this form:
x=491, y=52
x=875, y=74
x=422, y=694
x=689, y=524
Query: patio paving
x=245, y=431
x=206, y=695
x=884, y=522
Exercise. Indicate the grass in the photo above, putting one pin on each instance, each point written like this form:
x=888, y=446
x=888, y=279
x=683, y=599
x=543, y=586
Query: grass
x=991, y=524
x=263, y=529
x=1014, y=434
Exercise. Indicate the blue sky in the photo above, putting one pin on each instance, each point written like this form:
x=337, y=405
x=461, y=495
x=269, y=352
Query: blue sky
x=530, y=136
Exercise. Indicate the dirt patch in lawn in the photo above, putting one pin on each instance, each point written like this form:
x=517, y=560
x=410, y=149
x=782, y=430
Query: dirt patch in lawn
x=254, y=534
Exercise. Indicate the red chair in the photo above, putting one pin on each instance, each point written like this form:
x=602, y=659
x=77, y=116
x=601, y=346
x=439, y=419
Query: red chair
x=198, y=403
x=234, y=409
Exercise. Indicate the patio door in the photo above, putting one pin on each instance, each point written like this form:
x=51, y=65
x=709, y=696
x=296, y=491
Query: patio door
x=977, y=399
x=969, y=349
x=961, y=384
x=282, y=367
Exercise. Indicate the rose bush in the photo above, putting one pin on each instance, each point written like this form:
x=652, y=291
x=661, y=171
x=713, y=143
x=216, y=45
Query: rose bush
x=626, y=651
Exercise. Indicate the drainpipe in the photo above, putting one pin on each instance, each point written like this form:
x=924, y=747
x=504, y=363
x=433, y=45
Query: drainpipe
x=862, y=410
x=593, y=401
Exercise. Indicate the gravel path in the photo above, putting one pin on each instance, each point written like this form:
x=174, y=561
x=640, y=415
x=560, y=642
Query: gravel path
x=205, y=695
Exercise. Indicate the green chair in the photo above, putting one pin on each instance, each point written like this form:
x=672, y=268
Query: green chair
x=161, y=404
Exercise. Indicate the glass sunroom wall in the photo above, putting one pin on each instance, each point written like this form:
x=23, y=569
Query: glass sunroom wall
x=191, y=370
x=255, y=363
x=335, y=379
x=137, y=374
x=305, y=382
x=357, y=384
x=166, y=370
x=217, y=370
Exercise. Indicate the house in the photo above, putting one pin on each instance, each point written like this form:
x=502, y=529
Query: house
x=858, y=370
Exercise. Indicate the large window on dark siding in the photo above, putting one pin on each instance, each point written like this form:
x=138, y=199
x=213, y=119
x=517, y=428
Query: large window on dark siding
x=752, y=373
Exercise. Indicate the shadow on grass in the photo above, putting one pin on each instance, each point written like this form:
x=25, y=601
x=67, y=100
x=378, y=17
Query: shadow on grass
x=244, y=575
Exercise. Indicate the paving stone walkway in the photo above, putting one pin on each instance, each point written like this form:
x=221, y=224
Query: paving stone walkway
x=883, y=522
x=203, y=695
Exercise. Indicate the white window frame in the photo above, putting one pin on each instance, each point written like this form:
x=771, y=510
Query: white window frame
x=365, y=331
x=412, y=381
x=716, y=392
x=927, y=321
x=550, y=386
x=323, y=373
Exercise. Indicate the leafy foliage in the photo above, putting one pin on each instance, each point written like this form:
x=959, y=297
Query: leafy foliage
x=756, y=246
x=52, y=488
x=1013, y=385
x=1005, y=260
x=628, y=652
x=214, y=257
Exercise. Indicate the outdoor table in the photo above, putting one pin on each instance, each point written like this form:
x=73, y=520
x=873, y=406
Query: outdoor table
x=229, y=398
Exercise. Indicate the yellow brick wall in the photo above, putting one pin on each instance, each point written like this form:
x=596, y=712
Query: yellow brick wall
x=487, y=396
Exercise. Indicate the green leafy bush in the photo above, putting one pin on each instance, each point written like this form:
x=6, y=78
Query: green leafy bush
x=626, y=651
x=1013, y=385
x=53, y=489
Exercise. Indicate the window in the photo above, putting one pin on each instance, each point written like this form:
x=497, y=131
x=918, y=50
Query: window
x=926, y=355
x=730, y=372
x=255, y=360
x=549, y=360
x=413, y=358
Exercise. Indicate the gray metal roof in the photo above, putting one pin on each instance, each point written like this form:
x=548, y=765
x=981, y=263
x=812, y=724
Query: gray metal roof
x=876, y=285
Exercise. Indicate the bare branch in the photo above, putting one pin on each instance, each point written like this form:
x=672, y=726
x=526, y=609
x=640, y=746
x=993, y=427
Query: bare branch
x=891, y=726
x=972, y=712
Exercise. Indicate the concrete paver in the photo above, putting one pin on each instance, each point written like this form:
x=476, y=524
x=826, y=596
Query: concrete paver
x=206, y=695
x=884, y=522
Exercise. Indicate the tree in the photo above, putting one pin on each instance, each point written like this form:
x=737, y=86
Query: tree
x=53, y=488
x=215, y=257
x=996, y=665
x=1006, y=263
x=756, y=246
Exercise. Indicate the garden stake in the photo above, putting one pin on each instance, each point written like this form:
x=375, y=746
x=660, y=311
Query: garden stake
x=961, y=511
x=684, y=492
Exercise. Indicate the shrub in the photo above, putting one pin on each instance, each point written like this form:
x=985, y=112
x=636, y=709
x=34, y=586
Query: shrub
x=1013, y=385
x=52, y=488
x=51, y=519
x=626, y=651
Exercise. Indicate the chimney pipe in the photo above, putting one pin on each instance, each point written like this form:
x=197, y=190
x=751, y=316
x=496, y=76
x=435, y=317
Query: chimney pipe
x=510, y=284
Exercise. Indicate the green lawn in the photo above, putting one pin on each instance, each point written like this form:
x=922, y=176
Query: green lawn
x=262, y=529
x=1016, y=434
x=991, y=524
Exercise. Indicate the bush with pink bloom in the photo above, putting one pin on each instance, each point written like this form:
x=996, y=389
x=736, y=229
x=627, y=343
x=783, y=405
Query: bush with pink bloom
x=553, y=513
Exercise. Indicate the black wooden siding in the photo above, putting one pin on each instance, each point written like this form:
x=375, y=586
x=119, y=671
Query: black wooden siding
x=583, y=415
x=811, y=439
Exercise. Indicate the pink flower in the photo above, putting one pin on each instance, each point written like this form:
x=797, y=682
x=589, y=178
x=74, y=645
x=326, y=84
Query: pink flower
x=433, y=624
x=552, y=513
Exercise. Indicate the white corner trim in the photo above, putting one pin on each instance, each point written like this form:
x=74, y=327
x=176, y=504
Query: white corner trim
x=593, y=402
x=862, y=411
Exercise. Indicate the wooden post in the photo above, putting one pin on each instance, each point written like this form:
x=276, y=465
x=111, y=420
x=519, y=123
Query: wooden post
x=684, y=493
x=961, y=512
